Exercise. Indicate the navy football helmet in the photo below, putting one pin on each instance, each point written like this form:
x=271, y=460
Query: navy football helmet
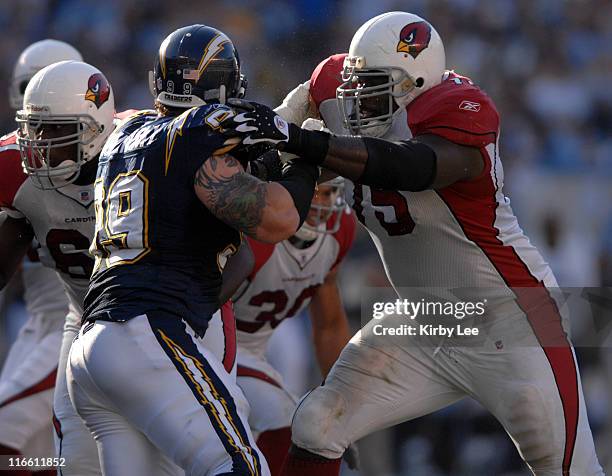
x=196, y=65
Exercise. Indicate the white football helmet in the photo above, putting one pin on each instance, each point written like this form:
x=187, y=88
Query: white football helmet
x=393, y=58
x=64, y=94
x=320, y=213
x=34, y=58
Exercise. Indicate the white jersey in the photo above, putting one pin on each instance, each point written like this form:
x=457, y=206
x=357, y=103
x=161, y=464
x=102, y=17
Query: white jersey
x=283, y=281
x=44, y=294
x=63, y=221
x=461, y=236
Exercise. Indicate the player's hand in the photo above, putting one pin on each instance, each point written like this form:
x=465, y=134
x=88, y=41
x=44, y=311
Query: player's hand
x=351, y=456
x=255, y=123
x=296, y=106
x=312, y=124
x=267, y=167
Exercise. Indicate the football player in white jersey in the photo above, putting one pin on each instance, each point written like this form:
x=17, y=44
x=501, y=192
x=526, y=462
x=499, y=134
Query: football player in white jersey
x=29, y=371
x=427, y=184
x=287, y=277
x=68, y=111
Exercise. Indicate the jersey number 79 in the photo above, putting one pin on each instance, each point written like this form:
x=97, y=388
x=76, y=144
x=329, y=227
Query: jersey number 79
x=121, y=235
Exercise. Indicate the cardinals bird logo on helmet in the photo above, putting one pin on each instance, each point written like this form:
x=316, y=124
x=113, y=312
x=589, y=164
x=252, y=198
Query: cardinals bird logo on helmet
x=414, y=38
x=98, y=90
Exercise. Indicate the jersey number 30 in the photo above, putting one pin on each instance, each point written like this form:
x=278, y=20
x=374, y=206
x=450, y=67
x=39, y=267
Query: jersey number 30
x=279, y=300
x=122, y=220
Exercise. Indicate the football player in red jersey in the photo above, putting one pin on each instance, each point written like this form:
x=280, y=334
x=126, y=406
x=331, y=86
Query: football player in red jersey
x=285, y=278
x=427, y=184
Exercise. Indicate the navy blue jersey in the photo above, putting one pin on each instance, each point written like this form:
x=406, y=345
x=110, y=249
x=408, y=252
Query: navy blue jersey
x=157, y=247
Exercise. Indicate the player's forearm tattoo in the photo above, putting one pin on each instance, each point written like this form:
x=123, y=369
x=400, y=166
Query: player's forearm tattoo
x=238, y=199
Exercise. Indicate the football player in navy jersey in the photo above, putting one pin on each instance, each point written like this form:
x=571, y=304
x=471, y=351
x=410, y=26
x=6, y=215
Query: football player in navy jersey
x=172, y=204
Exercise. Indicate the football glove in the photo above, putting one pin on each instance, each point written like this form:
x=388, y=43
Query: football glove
x=351, y=456
x=268, y=167
x=256, y=123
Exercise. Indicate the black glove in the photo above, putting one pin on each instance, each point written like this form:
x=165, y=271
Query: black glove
x=255, y=124
x=267, y=167
x=246, y=154
x=351, y=456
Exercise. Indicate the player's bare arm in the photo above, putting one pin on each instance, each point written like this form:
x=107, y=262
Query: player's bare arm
x=15, y=238
x=237, y=269
x=269, y=212
x=330, y=326
x=231, y=195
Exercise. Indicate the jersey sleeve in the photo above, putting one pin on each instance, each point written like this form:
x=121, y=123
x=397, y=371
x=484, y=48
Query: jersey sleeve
x=261, y=253
x=324, y=81
x=345, y=236
x=11, y=178
x=202, y=127
x=194, y=136
x=326, y=78
x=462, y=114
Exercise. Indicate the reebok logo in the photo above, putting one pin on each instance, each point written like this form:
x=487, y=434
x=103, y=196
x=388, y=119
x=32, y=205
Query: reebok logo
x=469, y=106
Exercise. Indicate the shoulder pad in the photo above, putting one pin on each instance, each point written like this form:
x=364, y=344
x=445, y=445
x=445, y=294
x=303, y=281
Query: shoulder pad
x=456, y=110
x=208, y=115
x=326, y=78
x=9, y=141
x=12, y=175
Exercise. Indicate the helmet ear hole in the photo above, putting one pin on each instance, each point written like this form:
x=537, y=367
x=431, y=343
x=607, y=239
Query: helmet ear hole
x=419, y=82
x=152, y=88
x=242, y=86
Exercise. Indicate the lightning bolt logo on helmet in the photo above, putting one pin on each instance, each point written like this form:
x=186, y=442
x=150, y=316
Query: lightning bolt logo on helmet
x=98, y=89
x=414, y=38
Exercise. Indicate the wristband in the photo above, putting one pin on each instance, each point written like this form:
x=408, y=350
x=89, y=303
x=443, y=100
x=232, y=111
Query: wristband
x=311, y=146
x=405, y=165
x=299, y=178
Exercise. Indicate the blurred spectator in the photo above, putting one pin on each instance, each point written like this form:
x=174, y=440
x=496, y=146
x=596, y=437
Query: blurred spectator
x=569, y=254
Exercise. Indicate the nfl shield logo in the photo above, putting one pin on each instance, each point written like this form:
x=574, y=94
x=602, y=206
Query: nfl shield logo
x=84, y=195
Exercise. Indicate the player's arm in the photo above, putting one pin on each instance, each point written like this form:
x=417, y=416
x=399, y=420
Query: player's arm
x=330, y=326
x=237, y=269
x=266, y=211
x=15, y=238
x=425, y=162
